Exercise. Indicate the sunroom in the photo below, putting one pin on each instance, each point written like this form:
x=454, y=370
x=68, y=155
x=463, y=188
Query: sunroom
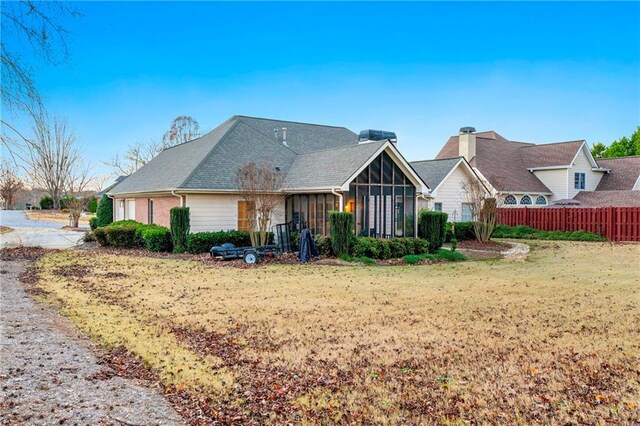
x=371, y=180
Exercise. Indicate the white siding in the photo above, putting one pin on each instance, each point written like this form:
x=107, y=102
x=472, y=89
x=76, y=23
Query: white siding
x=215, y=212
x=556, y=181
x=636, y=186
x=582, y=165
x=451, y=193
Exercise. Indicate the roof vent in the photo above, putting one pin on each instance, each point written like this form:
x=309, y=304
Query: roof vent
x=377, y=135
x=467, y=130
x=284, y=136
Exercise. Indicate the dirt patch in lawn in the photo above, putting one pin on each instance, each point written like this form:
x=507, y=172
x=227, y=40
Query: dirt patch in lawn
x=553, y=340
x=5, y=229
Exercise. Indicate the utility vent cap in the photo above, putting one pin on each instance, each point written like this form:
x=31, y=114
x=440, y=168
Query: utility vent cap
x=377, y=135
x=467, y=129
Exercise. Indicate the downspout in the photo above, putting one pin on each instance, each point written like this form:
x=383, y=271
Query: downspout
x=340, y=199
x=173, y=192
x=114, y=212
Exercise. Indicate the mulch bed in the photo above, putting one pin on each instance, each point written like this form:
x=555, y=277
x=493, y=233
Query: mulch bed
x=488, y=246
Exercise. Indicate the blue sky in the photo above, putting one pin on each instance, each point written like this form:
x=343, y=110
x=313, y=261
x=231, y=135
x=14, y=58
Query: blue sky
x=539, y=72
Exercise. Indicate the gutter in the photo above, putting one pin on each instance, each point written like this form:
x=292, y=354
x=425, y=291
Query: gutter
x=341, y=200
x=173, y=192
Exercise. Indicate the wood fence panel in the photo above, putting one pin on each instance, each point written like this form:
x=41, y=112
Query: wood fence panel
x=614, y=223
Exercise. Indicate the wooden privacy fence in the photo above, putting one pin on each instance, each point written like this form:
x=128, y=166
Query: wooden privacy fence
x=614, y=223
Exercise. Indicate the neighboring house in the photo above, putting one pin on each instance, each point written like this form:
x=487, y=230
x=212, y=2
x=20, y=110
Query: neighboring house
x=324, y=168
x=618, y=188
x=525, y=174
x=449, y=180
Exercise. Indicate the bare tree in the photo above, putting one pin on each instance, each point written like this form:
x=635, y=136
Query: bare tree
x=483, y=209
x=136, y=156
x=261, y=189
x=10, y=183
x=183, y=129
x=53, y=161
x=30, y=29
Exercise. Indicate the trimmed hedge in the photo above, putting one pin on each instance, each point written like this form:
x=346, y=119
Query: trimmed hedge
x=432, y=227
x=104, y=214
x=93, y=223
x=464, y=232
x=131, y=234
x=379, y=248
x=180, y=227
x=201, y=242
x=341, y=225
x=526, y=232
x=155, y=238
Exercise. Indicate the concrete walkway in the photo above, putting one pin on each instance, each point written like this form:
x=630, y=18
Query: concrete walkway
x=49, y=373
x=31, y=233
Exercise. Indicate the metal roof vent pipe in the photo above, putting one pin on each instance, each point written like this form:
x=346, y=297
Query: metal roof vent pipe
x=284, y=136
x=467, y=143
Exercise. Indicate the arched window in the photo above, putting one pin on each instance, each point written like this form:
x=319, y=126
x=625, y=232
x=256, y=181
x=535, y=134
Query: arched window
x=510, y=200
x=541, y=200
x=525, y=200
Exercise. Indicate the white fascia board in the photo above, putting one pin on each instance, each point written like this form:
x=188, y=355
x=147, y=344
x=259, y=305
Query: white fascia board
x=395, y=155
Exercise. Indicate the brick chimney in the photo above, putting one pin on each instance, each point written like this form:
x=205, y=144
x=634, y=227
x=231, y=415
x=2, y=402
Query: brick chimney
x=467, y=143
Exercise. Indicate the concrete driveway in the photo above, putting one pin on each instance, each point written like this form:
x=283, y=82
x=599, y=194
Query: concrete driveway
x=31, y=233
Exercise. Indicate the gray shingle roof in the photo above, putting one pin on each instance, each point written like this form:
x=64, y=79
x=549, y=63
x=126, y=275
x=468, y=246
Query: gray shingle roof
x=329, y=167
x=433, y=172
x=211, y=161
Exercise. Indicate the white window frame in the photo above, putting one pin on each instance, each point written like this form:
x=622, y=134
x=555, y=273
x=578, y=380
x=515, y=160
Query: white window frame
x=546, y=202
x=436, y=205
x=530, y=199
x=584, y=181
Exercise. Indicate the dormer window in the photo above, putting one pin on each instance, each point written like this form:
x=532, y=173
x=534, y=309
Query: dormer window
x=579, y=181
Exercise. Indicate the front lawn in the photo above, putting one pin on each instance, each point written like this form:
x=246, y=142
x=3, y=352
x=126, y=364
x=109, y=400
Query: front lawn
x=554, y=339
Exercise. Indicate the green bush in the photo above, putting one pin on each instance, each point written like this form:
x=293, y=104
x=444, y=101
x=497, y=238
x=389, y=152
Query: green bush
x=180, y=226
x=324, y=245
x=294, y=236
x=526, y=232
x=420, y=246
x=155, y=238
x=93, y=223
x=365, y=247
x=104, y=213
x=379, y=248
x=432, y=227
x=93, y=205
x=201, y=242
x=341, y=225
x=124, y=236
x=464, y=231
x=46, y=202
x=101, y=236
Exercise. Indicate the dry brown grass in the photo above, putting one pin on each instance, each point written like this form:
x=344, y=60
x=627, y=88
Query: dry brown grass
x=5, y=229
x=554, y=340
x=58, y=216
